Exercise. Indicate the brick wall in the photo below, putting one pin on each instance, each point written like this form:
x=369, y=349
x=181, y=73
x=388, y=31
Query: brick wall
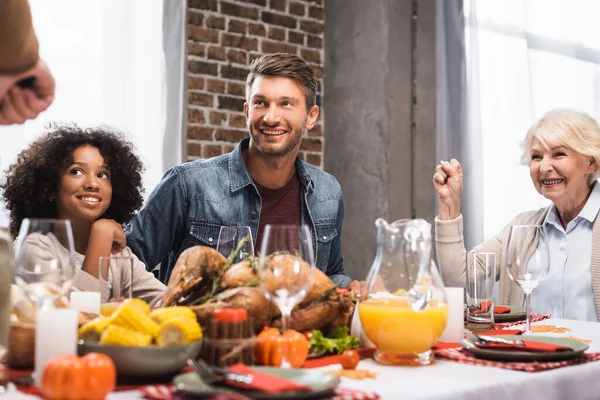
x=223, y=38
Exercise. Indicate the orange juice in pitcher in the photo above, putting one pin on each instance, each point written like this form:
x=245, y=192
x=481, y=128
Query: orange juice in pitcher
x=406, y=310
x=395, y=328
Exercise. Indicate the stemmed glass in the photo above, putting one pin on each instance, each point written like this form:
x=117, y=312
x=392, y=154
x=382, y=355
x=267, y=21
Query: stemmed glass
x=528, y=260
x=44, y=268
x=44, y=260
x=229, y=237
x=286, y=270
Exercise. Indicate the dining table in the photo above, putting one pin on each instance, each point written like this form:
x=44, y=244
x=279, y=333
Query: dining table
x=449, y=380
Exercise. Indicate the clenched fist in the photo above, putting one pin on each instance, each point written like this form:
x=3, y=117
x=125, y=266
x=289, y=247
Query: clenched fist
x=448, y=180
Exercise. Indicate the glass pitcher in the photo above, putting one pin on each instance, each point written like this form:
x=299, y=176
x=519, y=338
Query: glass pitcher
x=405, y=310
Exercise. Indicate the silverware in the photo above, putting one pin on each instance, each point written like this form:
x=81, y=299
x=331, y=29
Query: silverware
x=215, y=375
x=481, y=339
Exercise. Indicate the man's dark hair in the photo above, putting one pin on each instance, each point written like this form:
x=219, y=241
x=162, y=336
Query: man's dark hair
x=30, y=184
x=288, y=66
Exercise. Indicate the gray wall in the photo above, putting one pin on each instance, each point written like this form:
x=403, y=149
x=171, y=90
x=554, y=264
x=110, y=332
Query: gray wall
x=380, y=120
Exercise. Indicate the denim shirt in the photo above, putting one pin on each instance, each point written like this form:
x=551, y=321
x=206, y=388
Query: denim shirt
x=193, y=201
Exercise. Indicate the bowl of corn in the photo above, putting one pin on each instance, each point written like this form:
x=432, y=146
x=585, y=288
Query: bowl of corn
x=144, y=342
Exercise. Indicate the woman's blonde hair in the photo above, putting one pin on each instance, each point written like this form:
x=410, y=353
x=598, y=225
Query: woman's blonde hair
x=573, y=129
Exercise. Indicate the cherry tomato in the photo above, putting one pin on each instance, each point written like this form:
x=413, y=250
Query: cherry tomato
x=349, y=359
x=308, y=335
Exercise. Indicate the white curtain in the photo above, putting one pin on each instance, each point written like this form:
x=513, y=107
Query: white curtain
x=524, y=57
x=112, y=68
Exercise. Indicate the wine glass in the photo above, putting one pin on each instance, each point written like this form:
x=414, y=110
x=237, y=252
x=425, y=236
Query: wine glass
x=44, y=268
x=229, y=238
x=286, y=270
x=528, y=260
x=44, y=260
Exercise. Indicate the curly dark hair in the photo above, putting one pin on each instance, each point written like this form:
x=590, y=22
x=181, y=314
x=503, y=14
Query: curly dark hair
x=30, y=184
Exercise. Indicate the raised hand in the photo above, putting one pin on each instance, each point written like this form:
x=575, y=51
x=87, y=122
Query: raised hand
x=106, y=238
x=448, y=180
x=20, y=103
x=109, y=231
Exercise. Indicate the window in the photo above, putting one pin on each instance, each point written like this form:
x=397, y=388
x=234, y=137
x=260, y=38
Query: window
x=525, y=57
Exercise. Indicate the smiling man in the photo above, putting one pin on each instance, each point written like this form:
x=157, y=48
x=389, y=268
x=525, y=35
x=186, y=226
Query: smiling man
x=262, y=181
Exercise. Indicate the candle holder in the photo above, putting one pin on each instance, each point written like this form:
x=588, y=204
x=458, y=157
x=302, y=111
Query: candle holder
x=229, y=342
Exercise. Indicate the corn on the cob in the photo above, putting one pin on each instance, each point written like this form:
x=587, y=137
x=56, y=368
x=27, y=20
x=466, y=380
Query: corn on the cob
x=117, y=335
x=140, y=304
x=128, y=316
x=167, y=313
x=91, y=331
x=108, y=309
x=178, y=331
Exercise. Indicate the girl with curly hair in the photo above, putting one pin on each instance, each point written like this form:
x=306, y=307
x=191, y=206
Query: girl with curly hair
x=93, y=178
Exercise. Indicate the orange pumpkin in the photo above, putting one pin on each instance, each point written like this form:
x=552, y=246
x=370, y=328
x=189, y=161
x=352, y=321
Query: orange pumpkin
x=90, y=377
x=269, y=347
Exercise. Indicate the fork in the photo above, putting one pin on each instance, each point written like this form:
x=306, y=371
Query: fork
x=216, y=375
x=491, y=339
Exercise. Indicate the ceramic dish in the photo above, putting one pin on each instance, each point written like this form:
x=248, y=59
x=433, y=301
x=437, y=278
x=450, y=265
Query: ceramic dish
x=516, y=314
x=145, y=361
x=321, y=384
x=577, y=348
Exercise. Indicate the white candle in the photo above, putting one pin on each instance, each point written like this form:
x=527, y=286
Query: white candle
x=55, y=335
x=86, y=302
x=456, y=314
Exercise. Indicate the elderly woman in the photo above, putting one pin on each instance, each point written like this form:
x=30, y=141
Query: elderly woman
x=562, y=151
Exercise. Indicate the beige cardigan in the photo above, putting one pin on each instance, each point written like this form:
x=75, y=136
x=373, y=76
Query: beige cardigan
x=143, y=284
x=452, y=255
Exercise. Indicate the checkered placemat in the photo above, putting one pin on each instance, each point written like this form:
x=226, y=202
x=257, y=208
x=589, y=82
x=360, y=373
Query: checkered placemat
x=165, y=392
x=462, y=356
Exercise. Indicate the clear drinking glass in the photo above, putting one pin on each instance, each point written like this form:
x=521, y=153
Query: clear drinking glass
x=229, y=237
x=481, y=276
x=286, y=269
x=44, y=260
x=528, y=260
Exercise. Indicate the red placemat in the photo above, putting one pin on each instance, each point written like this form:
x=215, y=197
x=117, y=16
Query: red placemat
x=463, y=357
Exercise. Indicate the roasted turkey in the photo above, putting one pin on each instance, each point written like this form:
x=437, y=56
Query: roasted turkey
x=204, y=280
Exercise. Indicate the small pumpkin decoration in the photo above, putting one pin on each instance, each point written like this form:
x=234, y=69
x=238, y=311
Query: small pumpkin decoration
x=91, y=377
x=269, y=347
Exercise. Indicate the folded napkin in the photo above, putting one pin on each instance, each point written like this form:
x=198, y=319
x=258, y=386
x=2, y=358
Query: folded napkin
x=264, y=382
x=485, y=306
x=529, y=346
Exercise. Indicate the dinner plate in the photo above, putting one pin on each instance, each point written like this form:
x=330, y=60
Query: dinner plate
x=321, y=384
x=516, y=313
x=577, y=348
